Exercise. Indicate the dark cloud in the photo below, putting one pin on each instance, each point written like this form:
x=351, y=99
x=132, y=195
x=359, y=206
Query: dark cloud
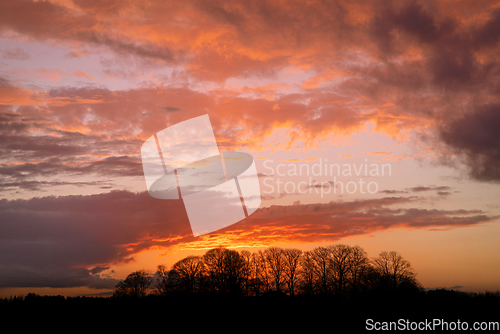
x=33, y=144
x=444, y=193
x=23, y=176
x=429, y=188
x=321, y=184
x=391, y=192
x=172, y=109
x=475, y=136
x=45, y=20
x=44, y=146
x=441, y=190
x=456, y=287
x=412, y=19
x=487, y=35
x=53, y=277
x=33, y=185
x=262, y=37
x=16, y=54
x=52, y=241
x=130, y=47
x=42, y=19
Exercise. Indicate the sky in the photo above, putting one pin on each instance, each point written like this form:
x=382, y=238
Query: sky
x=371, y=123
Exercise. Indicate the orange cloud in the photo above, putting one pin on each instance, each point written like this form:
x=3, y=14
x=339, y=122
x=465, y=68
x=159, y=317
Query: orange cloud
x=45, y=74
x=380, y=153
x=83, y=74
x=314, y=70
x=14, y=95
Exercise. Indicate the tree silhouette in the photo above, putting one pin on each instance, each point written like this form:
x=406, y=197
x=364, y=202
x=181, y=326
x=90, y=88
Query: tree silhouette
x=189, y=271
x=135, y=285
x=307, y=273
x=360, y=269
x=322, y=269
x=262, y=270
x=291, y=268
x=225, y=269
x=275, y=260
x=340, y=257
x=338, y=269
x=166, y=281
x=247, y=271
x=395, y=271
x=257, y=282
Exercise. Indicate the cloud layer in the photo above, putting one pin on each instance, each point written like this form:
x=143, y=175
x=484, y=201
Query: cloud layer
x=68, y=241
x=402, y=66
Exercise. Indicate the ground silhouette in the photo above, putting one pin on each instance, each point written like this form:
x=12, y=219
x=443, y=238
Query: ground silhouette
x=337, y=286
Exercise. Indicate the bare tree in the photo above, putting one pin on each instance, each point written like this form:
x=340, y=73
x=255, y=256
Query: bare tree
x=213, y=261
x=306, y=273
x=135, y=285
x=189, y=270
x=258, y=274
x=161, y=280
x=247, y=271
x=291, y=267
x=276, y=262
x=340, y=257
x=359, y=268
x=321, y=257
x=262, y=269
x=338, y=269
x=234, y=266
x=225, y=269
x=165, y=281
x=394, y=268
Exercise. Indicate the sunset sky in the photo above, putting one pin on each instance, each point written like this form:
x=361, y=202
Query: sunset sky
x=412, y=86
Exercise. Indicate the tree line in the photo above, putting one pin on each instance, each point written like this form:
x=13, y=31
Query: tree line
x=339, y=270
